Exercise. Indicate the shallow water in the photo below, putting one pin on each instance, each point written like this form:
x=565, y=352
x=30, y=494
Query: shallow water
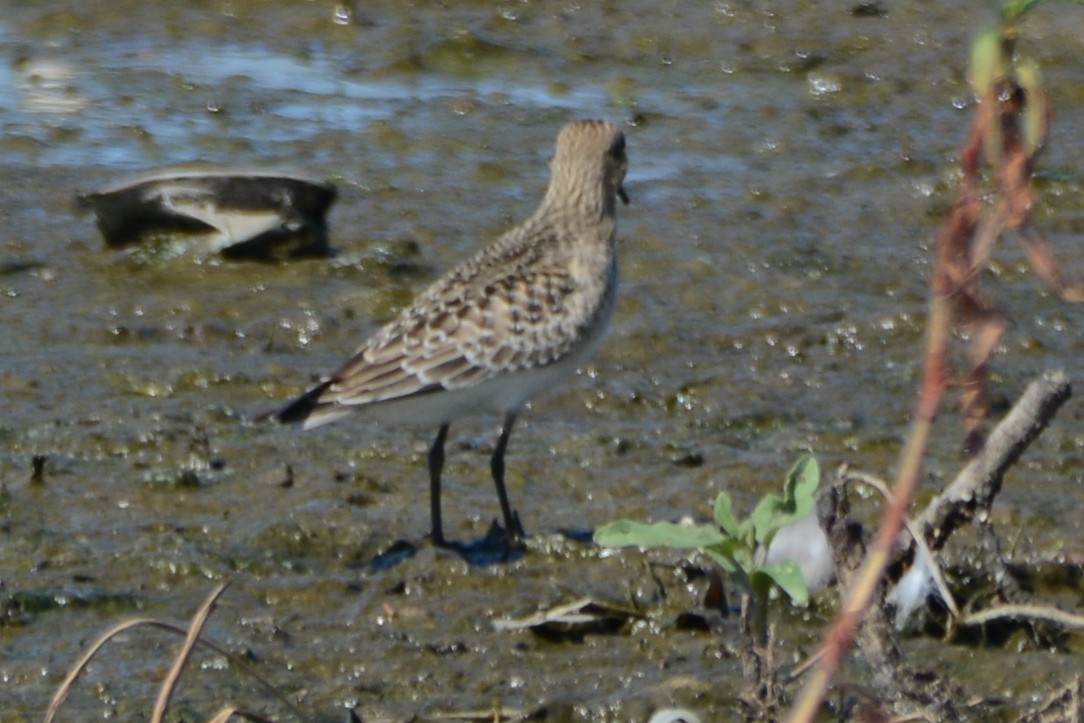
x=788, y=167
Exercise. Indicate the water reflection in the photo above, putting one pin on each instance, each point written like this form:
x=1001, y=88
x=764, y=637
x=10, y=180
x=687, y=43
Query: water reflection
x=234, y=90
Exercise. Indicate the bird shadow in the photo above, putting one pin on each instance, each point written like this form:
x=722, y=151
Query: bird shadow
x=495, y=548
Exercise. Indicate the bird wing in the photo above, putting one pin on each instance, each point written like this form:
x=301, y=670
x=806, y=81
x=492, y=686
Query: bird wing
x=459, y=334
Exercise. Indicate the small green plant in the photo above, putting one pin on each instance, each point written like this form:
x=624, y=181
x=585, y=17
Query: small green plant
x=734, y=543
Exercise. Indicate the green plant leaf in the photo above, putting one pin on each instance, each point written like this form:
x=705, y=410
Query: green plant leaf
x=788, y=577
x=764, y=515
x=725, y=517
x=1031, y=80
x=736, y=559
x=732, y=543
x=725, y=561
x=803, y=479
x=987, y=62
x=623, y=533
x=799, y=490
x=1011, y=10
x=774, y=512
x=735, y=550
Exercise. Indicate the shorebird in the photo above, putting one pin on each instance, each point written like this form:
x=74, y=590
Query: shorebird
x=501, y=327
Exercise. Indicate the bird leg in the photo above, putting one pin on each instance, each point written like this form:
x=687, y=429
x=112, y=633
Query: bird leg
x=496, y=464
x=436, y=464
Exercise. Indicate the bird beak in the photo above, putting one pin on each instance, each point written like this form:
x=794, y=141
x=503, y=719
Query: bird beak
x=622, y=195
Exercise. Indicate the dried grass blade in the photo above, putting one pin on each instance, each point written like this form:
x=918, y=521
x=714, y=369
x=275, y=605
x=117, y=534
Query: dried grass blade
x=77, y=669
x=194, y=630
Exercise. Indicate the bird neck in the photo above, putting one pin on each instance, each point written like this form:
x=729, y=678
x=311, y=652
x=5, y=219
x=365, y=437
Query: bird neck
x=594, y=198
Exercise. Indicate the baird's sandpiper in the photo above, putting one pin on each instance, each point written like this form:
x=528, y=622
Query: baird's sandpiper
x=502, y=327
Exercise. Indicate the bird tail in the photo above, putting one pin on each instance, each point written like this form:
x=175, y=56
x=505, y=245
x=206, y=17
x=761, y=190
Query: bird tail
x=307, y=410
x=303, y=407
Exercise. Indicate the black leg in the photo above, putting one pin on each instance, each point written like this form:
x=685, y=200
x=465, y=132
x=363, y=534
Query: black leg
x=496, y=464
x=436, y=464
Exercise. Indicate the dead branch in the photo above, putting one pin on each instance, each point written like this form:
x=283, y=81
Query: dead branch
x=1027, y=612
x=975, y=488
x=900, y=687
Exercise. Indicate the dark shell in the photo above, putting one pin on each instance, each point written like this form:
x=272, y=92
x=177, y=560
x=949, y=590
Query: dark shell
x=238, y=214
